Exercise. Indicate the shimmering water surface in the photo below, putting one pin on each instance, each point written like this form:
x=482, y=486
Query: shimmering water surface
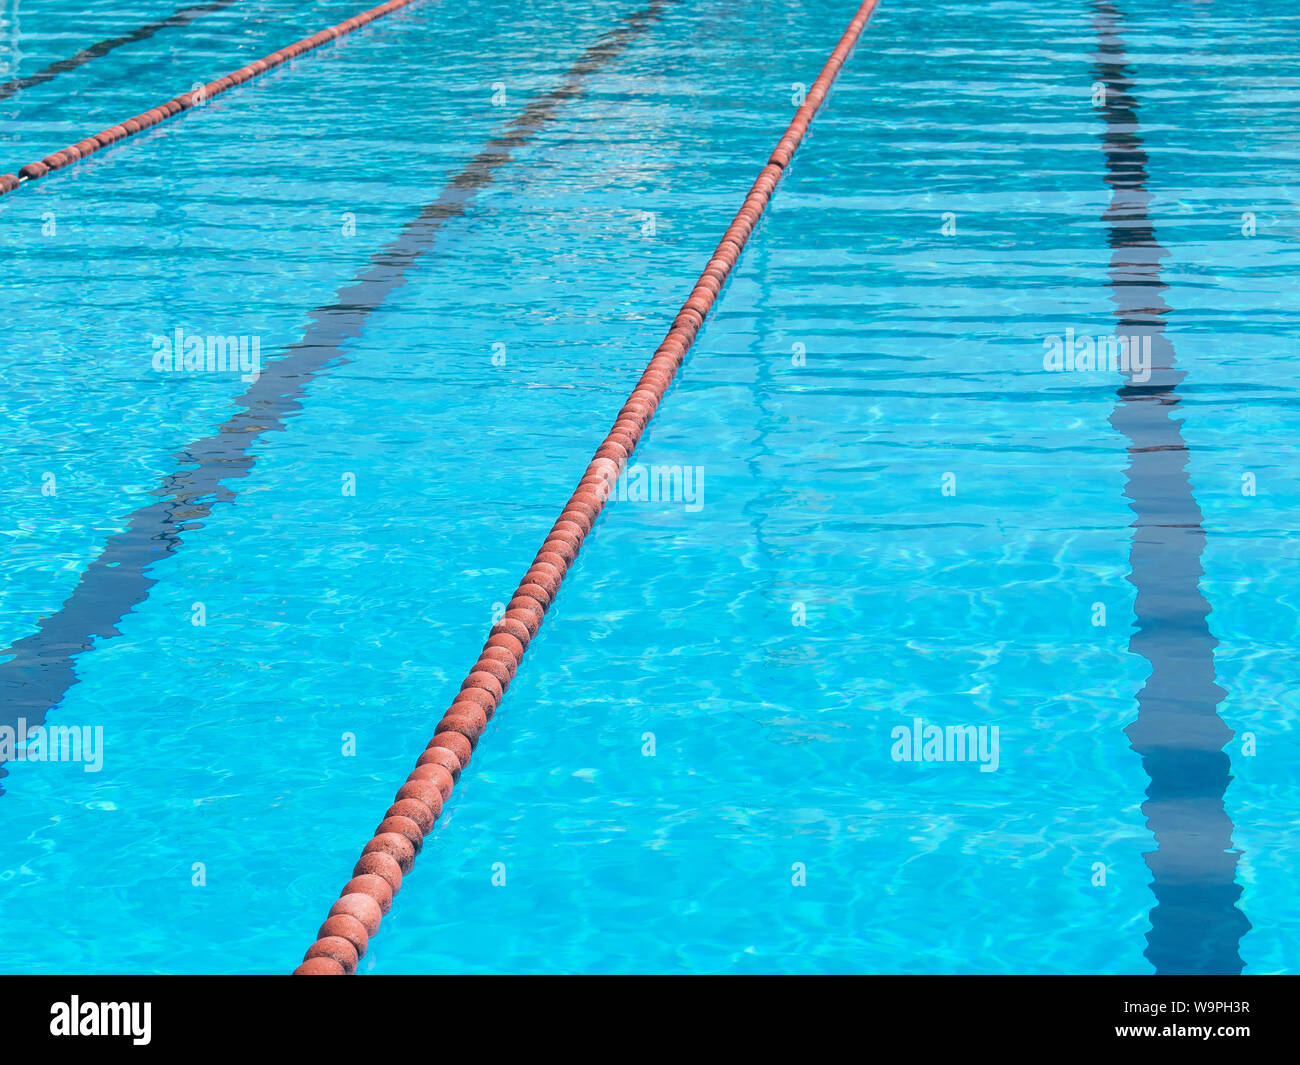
x=903, y=515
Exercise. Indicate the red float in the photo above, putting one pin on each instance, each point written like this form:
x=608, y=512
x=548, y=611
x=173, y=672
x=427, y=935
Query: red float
x=420, y=798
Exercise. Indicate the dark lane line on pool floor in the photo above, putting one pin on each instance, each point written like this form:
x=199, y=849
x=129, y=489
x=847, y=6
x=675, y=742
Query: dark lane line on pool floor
x=181, y=18
x=1196, y=926
x=42, y=669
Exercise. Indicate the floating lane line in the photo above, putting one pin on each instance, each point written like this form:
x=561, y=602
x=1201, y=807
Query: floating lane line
x=83, y=148
x=99, y=49
x=390, y=854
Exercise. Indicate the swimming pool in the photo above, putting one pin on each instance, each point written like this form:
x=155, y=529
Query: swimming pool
x=889, y=515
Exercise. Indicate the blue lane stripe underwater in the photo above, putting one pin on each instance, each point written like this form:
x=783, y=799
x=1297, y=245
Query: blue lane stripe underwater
x=1196, y=926
x=176, y=20
x=41, y=670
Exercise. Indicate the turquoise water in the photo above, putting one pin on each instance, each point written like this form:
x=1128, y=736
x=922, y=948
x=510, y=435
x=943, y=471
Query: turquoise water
x=859, y=355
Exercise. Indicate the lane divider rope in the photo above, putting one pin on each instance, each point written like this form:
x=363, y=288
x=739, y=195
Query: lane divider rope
x=390, y=854
x=83, y=148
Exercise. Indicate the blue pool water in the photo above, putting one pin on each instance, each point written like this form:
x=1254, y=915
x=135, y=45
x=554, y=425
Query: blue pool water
x=882, y=338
